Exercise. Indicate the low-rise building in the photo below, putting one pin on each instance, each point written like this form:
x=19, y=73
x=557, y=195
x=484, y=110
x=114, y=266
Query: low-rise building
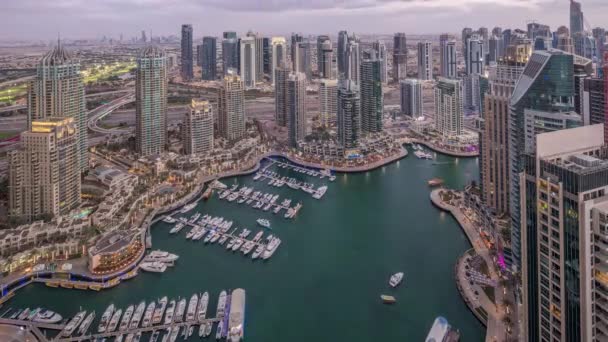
x=115, y=251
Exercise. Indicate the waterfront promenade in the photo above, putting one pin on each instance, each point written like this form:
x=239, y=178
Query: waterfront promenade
x=496, y=329
x=439, y=149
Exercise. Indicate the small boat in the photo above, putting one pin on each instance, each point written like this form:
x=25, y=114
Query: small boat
x=192, y=305
x=174, y=333
x=386, y=299
x=105, y=319
x=219, y=331
x=114, y=321
x=159, y=311
x=24, y=314
x=139, y=312
x=15, y=314
x=208, y=328
x=201, y=312
x=435, y=182
x=119, y=338
x=395, y=279
x=190, y=331
x=137, y=337
x=154, y=336
x=221, y=304
x=33, y=314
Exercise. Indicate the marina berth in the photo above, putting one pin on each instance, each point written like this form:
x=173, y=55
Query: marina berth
x=170, y=311
x=86, y=323
x=159, y=311
x=126, y=318
x=114, y=321
x=148, y=315
x=73, y=324
x=105, y=318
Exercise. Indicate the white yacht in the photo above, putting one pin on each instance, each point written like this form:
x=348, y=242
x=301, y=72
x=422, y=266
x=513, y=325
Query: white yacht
x=161, y=256
x=188, y=207
x=86, y=323
x=263, y=222
x=221, y=304
x=170, y=311
x=220, y=330
x=169, y=219
x=47, y=316
x=114, y=321
x=159, y=311
x=105, y=319
x=174, y=333
x=126, y=318
x=201, y=312
x=320, y=192
x=179, y=311
x=395, y=279
x=192, y=305
x=139, y=312
x=258, y=236
x=237, y=245
x=258, y=251
x=148, y=315
x=178, y=227
x=154, y=266
x=73, y=324
x=271, y=248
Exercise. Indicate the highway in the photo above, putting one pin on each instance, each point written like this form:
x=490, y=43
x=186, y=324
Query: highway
x=88, y=96
x=98, y=113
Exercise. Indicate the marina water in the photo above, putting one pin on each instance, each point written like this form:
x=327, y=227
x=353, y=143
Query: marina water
x=325, y=280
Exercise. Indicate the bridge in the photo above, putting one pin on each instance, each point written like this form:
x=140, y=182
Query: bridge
x=102, y=111
x=88, y=96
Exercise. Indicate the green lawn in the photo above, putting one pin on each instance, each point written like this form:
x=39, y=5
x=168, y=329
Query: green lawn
x=4, y=135
x=104, y=72
x=12, y=93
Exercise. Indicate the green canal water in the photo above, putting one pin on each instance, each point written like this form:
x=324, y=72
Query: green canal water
x=324, y=282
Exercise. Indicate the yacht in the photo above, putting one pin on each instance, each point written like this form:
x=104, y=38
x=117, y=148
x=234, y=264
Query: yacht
x=215, y=237
x=248, y=247
x=174, y=333
x=137, y=337
x=73, y=324
x=194, y=217
x=126, y=318
x=208, y=328
x=258, y=236
x=249, y=201
x=271, y=248
x=86, y=323
x=114, y=321
x=159, y=311
x=237, y=245
x=192, y=305
x=154, y=336
x=277, y=209
x=396, y=279
x=148, y=315
x=263, y=222
x=48, y=316
x=168, y=219
x=170, y=311
x=188, y=207
x=32, y=314
x=221, y=304
x=179, y=311
x=201, y=312
x=209, y=237
x=268, y=206
x=320, y=192
x=105, y=319
x=257, y=176
x=258, y=251
x=155, y=266
x=223, y=239
x=161, y=256
x=119, y=338
x=24, y=314
x=177, y=228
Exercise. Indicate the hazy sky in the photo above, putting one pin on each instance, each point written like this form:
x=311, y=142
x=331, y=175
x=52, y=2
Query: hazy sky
x=43, y=19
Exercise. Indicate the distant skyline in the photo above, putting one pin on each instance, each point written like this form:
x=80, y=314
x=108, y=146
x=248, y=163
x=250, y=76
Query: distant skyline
x=77, y=19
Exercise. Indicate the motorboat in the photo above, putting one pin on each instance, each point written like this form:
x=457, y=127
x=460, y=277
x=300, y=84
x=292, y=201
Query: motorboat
x=271, y=248
x=148, y=315
x=395, y=279
x=179, y=311
x=86, y=323
x=73, y=324
x=221, y=304
x=47, y=316
x=201, y=312
x=386, y=299
x=114, y=321
x=126, y=318
x=192, y=306
x=169, y=313
x=263, y=222
x=159, y=311
x=156, y=266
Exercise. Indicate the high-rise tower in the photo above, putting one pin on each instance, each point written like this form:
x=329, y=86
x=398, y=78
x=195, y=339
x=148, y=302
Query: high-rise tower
x=197, y=128
x=447, y=58
x=279, y=55
x=187, y=53
x=349, y=113
x=58, y=91
x=449, y=116
x=425, y=61
x=411, y=98
x=296, y=108
x=151, y=101
x=280, y=76
x=248, y=61
x=372, y=99
x=231, y=121
x=399, y=57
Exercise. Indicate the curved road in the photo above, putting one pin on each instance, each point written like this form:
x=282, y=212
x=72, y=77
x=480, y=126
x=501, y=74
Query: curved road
x=100, y=112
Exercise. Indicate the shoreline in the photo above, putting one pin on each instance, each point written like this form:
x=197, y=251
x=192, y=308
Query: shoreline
x=444, y=151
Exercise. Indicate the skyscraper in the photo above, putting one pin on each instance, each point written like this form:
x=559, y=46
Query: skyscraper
x=279, y=55
x=467, y=32
x=447, y=58
x=411, y=98
x=577, y=22
x=229, y=35
x=341, y=52
x=151, y=101
x=495, y=50
x=349, y=113
x=58, y=91
x=381, y=53
x=230, y=52
x=372, y=98
x=328, y=101
x=259, y=55
x=425, y=61
x=232, y=107
x=187, y=53
x=352, y=60
x=449, y=114
x=197, y=128
x=565, y=43
x=295, y=39
x=594, y=101
x=296, y=108
x=484, y=35
x=320, y=40
x=399, y=57
x=280, y=76
x=564, y=214
x=599, y=34
x=44, y=173
x=208, y=60
x=248, y=61
x=475, y=55
x=303, y=58
x=494, y=137
x=547, y=85
x=325, y=62
x=267, y=52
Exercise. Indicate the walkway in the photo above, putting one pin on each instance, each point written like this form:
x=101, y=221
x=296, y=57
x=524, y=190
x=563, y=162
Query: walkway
x=496, y=330
x=441, y=150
